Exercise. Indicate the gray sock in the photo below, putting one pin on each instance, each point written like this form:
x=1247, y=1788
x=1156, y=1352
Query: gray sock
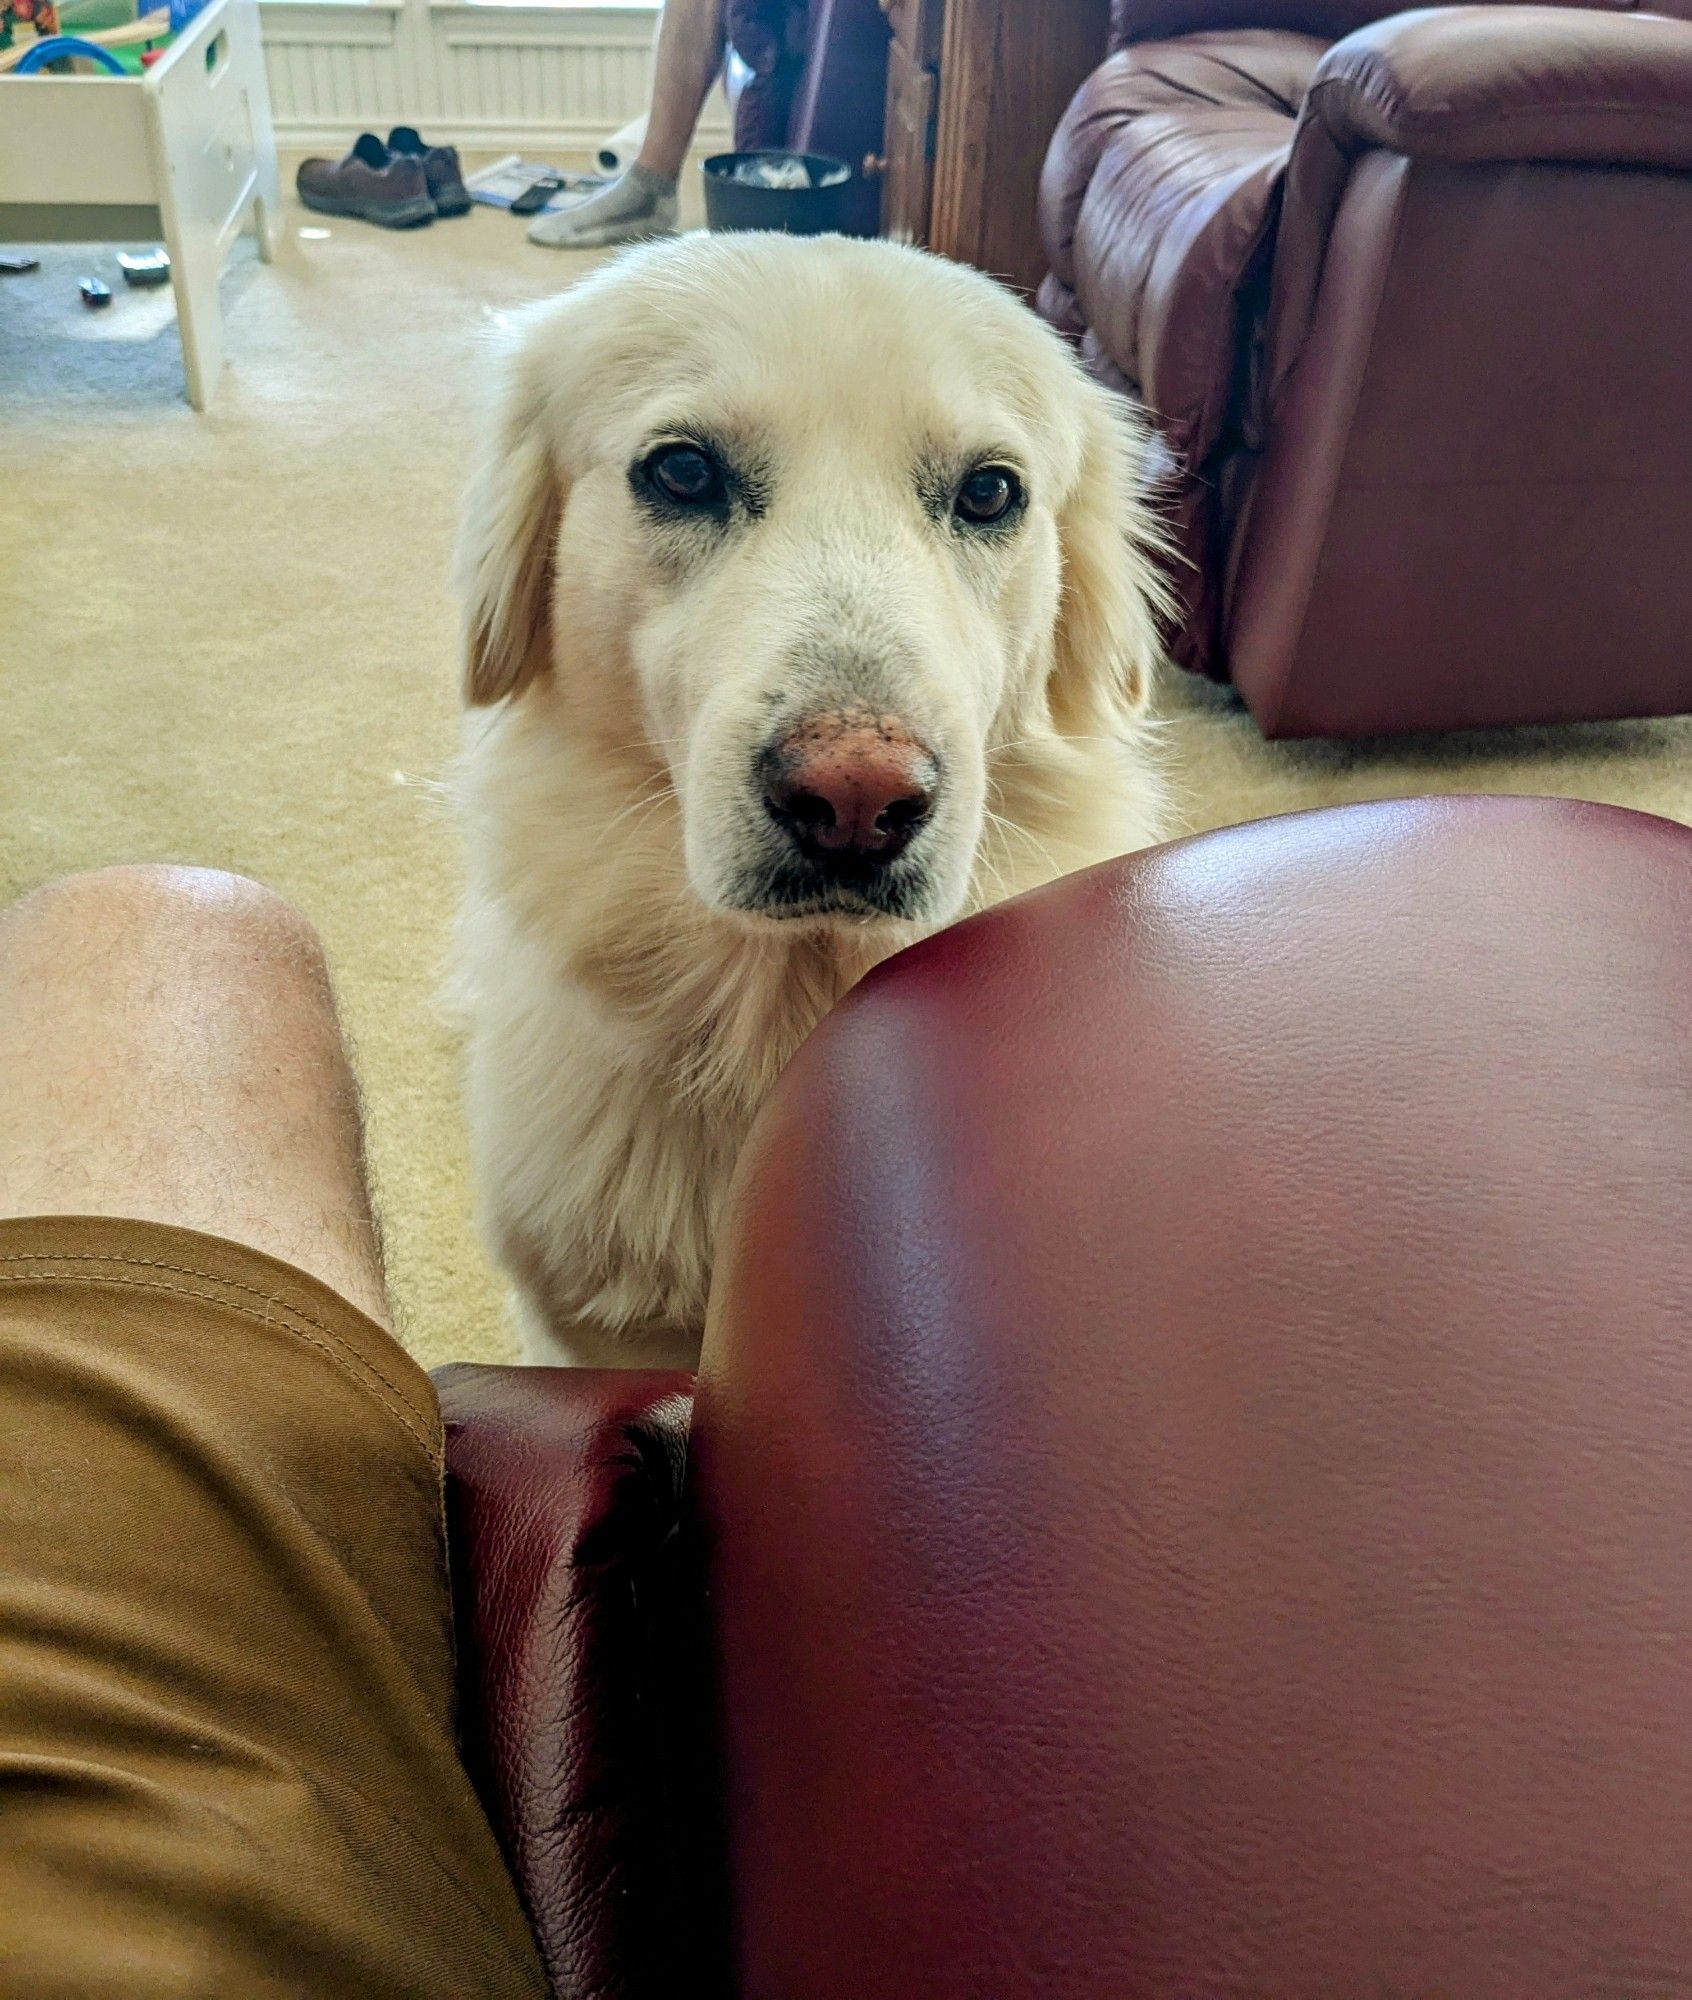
x=636, y=204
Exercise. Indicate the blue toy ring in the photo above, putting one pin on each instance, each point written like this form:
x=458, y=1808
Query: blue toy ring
x=56, y=47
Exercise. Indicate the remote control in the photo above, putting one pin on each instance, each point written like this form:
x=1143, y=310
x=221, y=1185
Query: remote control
x=533, y=199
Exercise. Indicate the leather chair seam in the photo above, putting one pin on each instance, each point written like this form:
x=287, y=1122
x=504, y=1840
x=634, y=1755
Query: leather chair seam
x=1270, y=719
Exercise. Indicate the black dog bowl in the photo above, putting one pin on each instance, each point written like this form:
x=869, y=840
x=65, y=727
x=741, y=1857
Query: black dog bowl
x=821, y=209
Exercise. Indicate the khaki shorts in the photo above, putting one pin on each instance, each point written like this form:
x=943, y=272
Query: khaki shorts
x=227, y=1757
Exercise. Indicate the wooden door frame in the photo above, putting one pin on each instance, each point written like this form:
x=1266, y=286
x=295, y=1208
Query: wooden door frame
x=1007, y=71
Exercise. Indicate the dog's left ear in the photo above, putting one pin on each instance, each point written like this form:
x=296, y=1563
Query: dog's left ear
x=506, y=543
x=1107, y=644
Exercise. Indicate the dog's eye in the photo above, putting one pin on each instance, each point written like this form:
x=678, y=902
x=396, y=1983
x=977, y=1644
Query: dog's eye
x=987, y=495
x=684, y=474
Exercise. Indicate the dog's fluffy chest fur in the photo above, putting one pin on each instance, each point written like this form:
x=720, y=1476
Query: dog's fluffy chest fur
x=621, y=1038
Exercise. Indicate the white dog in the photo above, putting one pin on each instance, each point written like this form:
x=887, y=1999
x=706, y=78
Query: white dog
x=809, y=607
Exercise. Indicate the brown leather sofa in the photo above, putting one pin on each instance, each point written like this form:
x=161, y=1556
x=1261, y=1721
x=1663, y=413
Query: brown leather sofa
x=1410, y=296
x=1188, y=1486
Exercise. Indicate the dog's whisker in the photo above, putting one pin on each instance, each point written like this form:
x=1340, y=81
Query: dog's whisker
x=1057, y=740
x=1009, y=826
x=993, y=889
x=643, y=806
x=643, y=743
x=642, y=803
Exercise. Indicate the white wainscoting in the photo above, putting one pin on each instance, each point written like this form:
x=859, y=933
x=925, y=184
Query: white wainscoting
x=489, y=77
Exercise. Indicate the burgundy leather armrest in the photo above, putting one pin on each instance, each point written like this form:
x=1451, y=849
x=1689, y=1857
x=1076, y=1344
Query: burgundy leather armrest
x=1195, y=1432
x=563, y=1491
x=1512, y=83
x=1461, y=86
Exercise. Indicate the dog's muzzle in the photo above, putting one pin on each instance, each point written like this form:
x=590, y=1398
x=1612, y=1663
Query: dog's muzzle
x=846, y=794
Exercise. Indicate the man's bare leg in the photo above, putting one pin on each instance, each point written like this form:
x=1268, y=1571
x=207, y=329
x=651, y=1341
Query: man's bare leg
x=227, y=1753
x=169, y=1051
x=642, y=202
x=688, y=63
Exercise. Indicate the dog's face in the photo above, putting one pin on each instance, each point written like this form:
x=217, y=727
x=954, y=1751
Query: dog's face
x=825, y=523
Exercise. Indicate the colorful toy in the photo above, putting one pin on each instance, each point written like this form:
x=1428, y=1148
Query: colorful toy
x=61, y=48
x=94, y=44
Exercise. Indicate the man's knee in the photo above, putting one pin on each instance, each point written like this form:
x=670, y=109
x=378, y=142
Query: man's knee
x=170, y=1052
x=154, y=906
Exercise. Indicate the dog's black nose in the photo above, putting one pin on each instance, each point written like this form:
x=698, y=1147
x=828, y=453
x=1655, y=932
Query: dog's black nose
x=850, y=786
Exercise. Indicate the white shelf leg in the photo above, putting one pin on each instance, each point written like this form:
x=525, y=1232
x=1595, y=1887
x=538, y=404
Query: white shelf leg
x=195, y=262
x=267, y=203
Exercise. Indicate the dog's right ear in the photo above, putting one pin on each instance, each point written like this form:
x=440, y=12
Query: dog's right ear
x=505, y=547
x=1107, y=643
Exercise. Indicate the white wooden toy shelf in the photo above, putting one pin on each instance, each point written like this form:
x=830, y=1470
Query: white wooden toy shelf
x=183, y=154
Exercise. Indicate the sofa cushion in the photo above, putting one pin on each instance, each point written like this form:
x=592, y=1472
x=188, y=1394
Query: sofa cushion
x=1157, y=193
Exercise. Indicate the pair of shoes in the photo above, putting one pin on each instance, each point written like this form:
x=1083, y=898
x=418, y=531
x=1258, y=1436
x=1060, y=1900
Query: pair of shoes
x=440, y=169
x=400, y=185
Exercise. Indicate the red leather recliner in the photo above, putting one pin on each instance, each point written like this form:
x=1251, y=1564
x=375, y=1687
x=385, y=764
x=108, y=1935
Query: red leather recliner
x=1410, y=296
x=1188, y=1487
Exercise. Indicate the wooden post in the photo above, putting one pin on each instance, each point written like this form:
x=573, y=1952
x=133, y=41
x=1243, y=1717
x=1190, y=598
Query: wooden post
x=1007, y=70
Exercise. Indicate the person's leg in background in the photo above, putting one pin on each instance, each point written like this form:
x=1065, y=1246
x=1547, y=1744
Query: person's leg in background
x=227, y=1763
x=643, y=201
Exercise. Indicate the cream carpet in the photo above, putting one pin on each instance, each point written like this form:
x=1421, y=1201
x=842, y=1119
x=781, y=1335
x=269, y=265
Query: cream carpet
x=227, y=639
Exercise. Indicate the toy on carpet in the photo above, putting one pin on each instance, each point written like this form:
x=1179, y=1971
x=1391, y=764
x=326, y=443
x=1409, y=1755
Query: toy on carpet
x=144, y=268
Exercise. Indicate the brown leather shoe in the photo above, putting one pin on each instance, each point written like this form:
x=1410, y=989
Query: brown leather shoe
x=369, y=184
x=440, y=166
